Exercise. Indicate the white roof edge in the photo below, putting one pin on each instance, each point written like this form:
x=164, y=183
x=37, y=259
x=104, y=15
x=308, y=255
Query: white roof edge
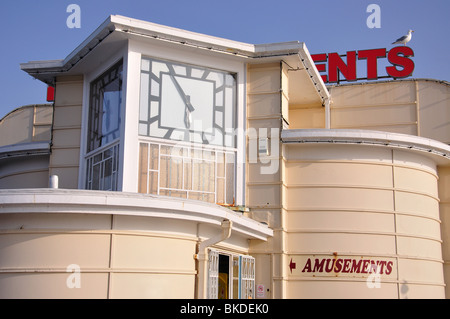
x=144, y=28
x=367, y=136
x=57, y=64
x=24, y=149
x=316, y=77
x=122, y=203
x=126, y=24
x=175, y=33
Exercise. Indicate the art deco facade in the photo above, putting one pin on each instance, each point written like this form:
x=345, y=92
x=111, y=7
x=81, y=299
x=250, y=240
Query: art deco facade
x=173, y=164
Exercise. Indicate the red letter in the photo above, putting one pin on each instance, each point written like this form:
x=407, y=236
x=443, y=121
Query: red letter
x=335, y=64
x=356, y=266
x=318, y=265
x=321, y=67
x=404, y=61
x=307, y=266
x=365, y=265
x=372, y=56
x=338, y=266
x=389, y=267
x=346, y=267
x=327, y=268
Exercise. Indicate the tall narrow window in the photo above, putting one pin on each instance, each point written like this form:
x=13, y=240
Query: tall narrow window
x=104, y=108
x=104, y=130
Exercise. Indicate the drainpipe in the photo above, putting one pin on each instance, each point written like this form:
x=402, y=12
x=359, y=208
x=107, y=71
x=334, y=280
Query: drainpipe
x=202, y=257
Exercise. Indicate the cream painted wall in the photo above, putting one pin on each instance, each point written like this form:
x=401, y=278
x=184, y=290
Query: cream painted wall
x=27, y=124
x=362, y=201
x=30, y=123
x=64, y=159
x=119, y=257
x=444, y=208
x=417, y=107
x=265, y=98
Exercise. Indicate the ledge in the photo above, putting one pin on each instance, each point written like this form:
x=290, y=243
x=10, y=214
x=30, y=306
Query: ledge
x=72, y=201
x=438, y=150
x=24, y=149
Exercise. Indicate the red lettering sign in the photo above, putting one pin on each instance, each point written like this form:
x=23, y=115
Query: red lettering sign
x=348, y=265
x=397, y=56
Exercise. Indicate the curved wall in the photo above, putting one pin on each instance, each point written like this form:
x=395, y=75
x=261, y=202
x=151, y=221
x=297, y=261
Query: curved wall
x=129, y=261
x=113, y=244
x=350, y=206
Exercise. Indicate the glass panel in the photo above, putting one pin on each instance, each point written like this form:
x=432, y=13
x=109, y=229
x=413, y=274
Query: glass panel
x=230, y=178
x=235, y=277
x=104, y=108
x=107, y=176
x=96, y=173
x=143, y=167
x=171, y=173
x=220, y=191
x=101, y=170
x=187, y=174
x=220, y=164
x=154, y=156
x=168, y=192
x=153, y=183
x=165, y=168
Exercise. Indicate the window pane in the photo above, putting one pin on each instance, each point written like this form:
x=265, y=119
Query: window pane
x=168, y=169
x=105, y=108
x=143, y=167
x=101, y=170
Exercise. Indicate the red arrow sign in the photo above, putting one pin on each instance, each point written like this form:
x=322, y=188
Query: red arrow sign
x=292, y=265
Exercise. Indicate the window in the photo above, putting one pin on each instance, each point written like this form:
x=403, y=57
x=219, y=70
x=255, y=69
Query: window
x=186, y=129
x=104, y=130
x=187, y=172
x=230, y=276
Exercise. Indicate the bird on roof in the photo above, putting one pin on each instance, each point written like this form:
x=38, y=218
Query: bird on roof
x=404, y=39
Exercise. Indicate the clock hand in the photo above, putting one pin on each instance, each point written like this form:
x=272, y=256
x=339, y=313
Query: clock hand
x=185, y=97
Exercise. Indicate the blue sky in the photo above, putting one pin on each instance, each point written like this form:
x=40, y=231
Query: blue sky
x=37, y=30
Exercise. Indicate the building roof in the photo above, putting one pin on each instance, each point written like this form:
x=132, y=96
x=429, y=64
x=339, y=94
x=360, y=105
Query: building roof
x=115, y=29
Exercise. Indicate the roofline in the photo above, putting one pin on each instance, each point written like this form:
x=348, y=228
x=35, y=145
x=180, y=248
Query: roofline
x=47, y=70
x=439, y=150
x=24, y=149
x=24, y=107
x=143, y=28
x=330, y=86
x=75, y=201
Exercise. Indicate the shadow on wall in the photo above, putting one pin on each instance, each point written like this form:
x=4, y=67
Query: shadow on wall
x=404, y=290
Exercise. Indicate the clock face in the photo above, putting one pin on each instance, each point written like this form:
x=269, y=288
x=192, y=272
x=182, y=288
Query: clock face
x=188, y=103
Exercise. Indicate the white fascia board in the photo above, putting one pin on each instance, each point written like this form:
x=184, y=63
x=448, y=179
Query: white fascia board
x=349, y=136
x=165, y=32
x=309, y=64
x=84, y=48
x=142, y=28
x=156, y=31
x=24, y=149
x=65, y=201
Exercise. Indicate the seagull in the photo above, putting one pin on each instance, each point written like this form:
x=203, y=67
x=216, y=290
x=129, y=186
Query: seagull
x=404, y=39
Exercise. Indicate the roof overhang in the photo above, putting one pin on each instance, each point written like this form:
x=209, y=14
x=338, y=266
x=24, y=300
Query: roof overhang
x=117, y=30
x=73, y=201
x=438, y=151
